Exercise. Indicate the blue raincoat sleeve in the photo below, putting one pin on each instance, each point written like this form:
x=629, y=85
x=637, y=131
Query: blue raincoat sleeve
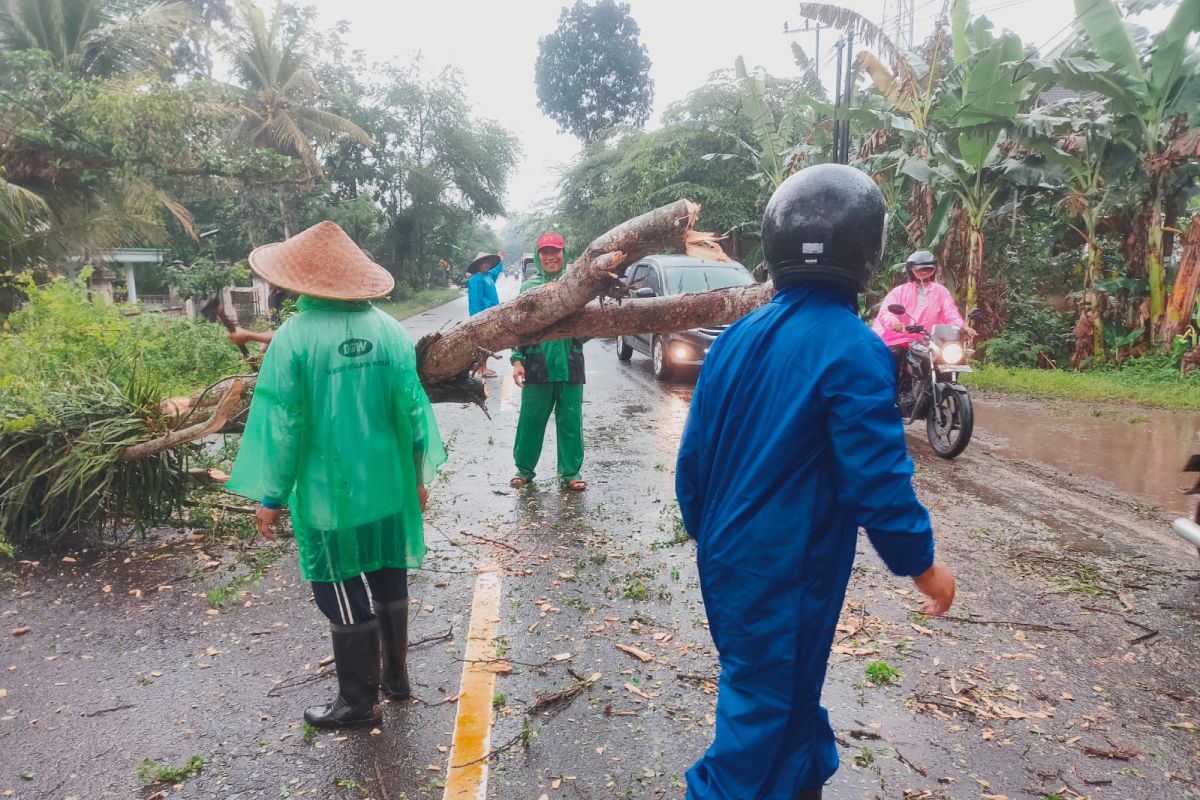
x=689, y=475
x=496, y=271
x=874, y=471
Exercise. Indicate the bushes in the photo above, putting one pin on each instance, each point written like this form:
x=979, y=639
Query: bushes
x=79, y=381
x=60, y=337
x=1034, y=333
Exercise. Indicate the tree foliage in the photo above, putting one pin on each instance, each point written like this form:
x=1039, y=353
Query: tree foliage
x=592, y=71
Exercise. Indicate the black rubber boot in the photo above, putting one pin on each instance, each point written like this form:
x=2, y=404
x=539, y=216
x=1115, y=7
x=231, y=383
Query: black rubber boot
x=393, y=636
x=356, y=654
x=810, y=794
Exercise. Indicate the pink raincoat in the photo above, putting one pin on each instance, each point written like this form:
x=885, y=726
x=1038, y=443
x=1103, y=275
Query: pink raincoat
x=938, y=308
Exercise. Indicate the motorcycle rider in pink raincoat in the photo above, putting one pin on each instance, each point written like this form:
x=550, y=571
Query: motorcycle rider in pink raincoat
x=927, y=302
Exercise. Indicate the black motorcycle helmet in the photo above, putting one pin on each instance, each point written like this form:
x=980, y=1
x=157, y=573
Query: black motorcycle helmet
x=825, y=225
x=919, y=258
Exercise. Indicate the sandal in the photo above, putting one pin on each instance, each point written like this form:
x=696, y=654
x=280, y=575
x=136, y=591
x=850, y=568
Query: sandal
x=518, y=481
x=576, y=485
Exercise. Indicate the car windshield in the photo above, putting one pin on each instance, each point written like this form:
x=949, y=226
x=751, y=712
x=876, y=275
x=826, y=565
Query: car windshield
x=703, y=279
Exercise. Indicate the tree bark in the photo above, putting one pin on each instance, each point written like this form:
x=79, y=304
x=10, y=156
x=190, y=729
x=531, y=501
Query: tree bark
x=660, y=314
x=1183, y=293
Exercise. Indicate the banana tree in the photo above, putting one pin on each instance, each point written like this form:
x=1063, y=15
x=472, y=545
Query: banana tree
x=909, y=87
x=1149, y=83
x=969, y=133
x=1080, y=152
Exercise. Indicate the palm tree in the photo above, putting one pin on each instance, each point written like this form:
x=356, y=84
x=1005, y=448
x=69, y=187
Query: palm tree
x=278, y=100
x=101, y=38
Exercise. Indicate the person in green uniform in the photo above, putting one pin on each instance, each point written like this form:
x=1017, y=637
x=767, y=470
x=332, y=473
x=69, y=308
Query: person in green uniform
x=550, y=376
x=341, y=431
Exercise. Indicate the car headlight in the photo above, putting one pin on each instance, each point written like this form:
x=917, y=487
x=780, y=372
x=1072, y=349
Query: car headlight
x=681, y=352
x=952, y=353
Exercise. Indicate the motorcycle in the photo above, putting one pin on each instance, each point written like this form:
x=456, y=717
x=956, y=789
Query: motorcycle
x=928, y=387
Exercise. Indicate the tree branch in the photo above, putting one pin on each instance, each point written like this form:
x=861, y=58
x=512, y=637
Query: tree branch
x=225, y=408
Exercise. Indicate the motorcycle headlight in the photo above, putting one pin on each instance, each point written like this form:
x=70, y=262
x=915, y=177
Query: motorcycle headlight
x=952, y=353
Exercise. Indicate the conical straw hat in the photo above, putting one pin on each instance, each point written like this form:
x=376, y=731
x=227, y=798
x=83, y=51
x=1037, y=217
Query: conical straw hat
x=322, y=262
x=483, y=262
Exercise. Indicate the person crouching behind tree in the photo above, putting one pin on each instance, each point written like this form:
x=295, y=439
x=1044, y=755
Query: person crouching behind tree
x=341, y=431
x=550, y=376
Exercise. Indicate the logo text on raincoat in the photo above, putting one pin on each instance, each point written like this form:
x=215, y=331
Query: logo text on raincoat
x=353, y=348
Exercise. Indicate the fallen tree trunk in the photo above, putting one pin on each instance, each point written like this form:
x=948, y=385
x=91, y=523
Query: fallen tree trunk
x=557, y=310
x=664, y=230
x=660, y=314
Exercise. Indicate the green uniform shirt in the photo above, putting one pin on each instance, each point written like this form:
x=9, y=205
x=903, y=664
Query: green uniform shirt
x=341, y=431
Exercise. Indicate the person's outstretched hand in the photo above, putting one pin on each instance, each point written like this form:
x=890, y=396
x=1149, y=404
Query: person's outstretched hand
x=422, y=496
x=937, y=584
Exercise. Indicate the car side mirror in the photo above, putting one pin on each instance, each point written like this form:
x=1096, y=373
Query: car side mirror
x=896, y=308
x=644, y=292
x=975, y=314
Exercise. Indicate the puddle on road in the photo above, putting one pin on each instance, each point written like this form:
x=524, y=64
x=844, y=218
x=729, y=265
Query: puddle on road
x=1139, y=451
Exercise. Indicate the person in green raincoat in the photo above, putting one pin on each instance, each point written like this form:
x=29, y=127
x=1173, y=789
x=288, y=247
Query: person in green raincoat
x=341, y=431
x=550, y=375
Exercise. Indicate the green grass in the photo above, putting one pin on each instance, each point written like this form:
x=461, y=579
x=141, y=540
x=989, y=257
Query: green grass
x=150, y=772
x=421, y=301
x=881, y=672
x=1147, y=381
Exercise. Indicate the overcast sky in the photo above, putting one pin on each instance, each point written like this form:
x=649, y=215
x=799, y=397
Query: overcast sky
x=495, y=45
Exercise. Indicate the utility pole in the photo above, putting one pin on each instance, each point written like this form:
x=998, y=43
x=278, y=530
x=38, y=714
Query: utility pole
x=837, y=104
x=845, y=151
x=809, y=28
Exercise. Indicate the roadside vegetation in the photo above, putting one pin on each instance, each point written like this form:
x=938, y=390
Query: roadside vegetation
x=1150, y=381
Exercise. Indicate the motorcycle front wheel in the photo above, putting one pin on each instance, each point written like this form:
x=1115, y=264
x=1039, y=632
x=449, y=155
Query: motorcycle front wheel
x=950, y=422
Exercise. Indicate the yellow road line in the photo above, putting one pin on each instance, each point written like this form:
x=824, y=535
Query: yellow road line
x=466, y=778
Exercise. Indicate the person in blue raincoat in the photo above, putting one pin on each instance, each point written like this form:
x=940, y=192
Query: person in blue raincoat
x=793, y=442
x=481, y=290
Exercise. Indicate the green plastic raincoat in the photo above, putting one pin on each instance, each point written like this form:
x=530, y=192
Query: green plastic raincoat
x=341, y=431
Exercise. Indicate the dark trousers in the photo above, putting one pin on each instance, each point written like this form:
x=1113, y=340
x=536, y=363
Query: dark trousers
x=347, y=603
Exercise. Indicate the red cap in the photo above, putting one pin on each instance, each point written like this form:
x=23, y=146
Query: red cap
x=551, y=240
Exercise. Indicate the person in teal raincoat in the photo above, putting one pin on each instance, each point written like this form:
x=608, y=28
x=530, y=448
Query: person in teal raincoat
x=341, y=432
x=793, y=441
x=481, y=291
x=551, y=377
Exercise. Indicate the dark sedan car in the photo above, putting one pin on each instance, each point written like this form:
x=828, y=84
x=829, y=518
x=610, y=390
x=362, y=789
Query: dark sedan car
x=660, y=276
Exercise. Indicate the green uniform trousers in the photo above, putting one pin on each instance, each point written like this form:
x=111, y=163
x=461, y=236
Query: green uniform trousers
x=537, y=401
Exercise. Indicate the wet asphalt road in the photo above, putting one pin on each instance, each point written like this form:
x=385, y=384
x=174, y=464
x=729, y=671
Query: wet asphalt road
x=1069, y=670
